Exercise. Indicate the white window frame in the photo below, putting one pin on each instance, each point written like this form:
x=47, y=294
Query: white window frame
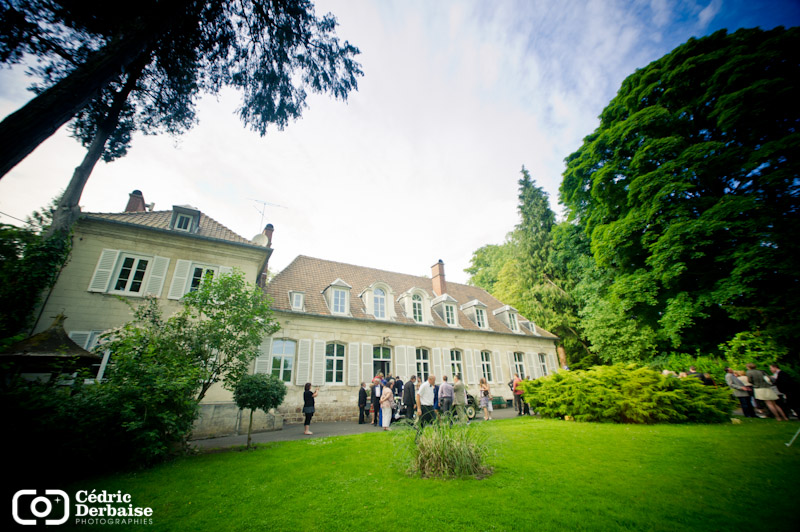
x=339, y=295
x=416, y=305
x=379, y=303
x=480, y=318
x=337, y=359
x=457, y=363
x=450, y=314
x=184, y=274
x=486, y=365
x=543, y=363
x=115, y=279
x=423, y=363
x=512, y=322
x=179, y=218
x=519, y=364
x=282, y=357
x=205, y=269
x=297, y=300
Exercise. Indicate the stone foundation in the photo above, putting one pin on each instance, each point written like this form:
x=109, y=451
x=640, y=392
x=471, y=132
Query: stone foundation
x=225, y=419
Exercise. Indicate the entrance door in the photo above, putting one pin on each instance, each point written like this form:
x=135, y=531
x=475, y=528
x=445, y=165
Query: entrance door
x=382, y=360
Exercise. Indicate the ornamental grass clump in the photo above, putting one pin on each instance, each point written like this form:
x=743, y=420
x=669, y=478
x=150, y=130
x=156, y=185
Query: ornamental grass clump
x=625, y=393
x=442, y=450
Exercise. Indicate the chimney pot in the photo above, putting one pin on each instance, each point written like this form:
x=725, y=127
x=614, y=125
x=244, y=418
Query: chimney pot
x=268, y=230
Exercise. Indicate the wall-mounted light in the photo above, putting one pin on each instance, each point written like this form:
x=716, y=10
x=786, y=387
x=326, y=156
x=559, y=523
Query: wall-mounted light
x=387, y=340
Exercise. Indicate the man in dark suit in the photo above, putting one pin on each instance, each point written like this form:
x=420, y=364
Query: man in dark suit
x=410, y=396
x=788, y=387
x=377, y=389
x=362, y=402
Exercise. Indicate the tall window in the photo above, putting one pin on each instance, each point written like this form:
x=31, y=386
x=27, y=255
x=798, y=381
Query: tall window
x=450, y=314
x=456, y=368
x=379, y=299
x=283, y=359
x=131, y=274
x=199, y=275
x=519, y=365
x=339, y=301
x=423, y=364
x=382, y=360
x=480, y=318
x=486, y=365
x=334, y=363
x=543, y=363
x=512, y=321
x=416, y=307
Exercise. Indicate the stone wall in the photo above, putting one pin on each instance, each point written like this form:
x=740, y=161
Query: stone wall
x=225, y=419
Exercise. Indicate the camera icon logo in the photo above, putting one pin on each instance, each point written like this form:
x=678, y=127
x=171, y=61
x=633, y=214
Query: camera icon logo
x=40, y=506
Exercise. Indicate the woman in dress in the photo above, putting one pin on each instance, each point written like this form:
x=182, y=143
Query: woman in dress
x=308, y=406
x=486, y=399
x=387, y=400
x=762, y=387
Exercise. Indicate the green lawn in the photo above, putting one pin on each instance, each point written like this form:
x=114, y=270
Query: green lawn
x=549, y=475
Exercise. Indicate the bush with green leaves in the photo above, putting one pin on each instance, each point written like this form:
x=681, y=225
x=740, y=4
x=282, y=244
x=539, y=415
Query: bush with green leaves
x=259, y=391
x=446, y=450
x=626, y=393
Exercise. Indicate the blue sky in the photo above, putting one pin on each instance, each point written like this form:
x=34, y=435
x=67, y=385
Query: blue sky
x=422, y=162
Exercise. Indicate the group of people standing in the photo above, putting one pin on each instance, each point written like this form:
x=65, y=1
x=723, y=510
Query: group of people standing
x=427, y=401
x=756, y=389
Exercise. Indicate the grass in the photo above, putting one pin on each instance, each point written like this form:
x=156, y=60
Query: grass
x=548, y=475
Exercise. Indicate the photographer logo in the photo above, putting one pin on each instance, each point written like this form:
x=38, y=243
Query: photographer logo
x=40, y=506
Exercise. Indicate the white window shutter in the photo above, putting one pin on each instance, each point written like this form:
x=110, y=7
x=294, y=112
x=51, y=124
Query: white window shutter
x=318, y=368
x=352, y=364
x=264, y=359
x=366, y=363
x=532, y=365
x=303, y=373
x=157, y=275
x=470, y=367
x=179, y=279
x=225, y=269
x=498, y=368
x=437, y=363
x=80, y=337
x=103, y=271
x=511, y=367
x=551, y=357
x=400, y=363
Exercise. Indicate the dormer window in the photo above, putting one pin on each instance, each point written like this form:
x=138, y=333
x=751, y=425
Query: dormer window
x=183, y=222
x=339, y=301
x=337, y=295
x=379, y=302
x=445, y=307
x=416, y=307
x=480, y=318
x=185, y=218
x=476, y=311
x=508, y=315
x=450, y=314
x=297, y=299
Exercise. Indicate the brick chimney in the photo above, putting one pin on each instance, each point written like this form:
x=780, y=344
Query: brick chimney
x=136, y=202
x=437, y=273
x=268, y=230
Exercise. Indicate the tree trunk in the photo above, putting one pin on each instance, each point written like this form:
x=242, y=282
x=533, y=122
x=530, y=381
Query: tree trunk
x=250, y=428
x=22, y=131
x=67, y=210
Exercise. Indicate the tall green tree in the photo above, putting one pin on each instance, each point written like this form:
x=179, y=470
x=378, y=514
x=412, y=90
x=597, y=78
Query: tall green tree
x=140, y=66
x=688, y=192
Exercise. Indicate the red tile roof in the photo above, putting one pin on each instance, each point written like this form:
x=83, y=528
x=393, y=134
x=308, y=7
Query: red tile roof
x=208, y=227
x=312, y=276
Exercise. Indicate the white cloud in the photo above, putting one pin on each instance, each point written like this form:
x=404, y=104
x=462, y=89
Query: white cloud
x=422, y=162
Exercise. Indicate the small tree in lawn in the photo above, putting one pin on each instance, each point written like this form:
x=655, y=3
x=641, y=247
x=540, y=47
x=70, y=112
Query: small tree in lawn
x=225, y=321
x=258, y=391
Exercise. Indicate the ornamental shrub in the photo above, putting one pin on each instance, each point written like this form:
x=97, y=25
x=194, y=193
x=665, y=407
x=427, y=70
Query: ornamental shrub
x=445, y=451
x=258, y=391
x=625, y=393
